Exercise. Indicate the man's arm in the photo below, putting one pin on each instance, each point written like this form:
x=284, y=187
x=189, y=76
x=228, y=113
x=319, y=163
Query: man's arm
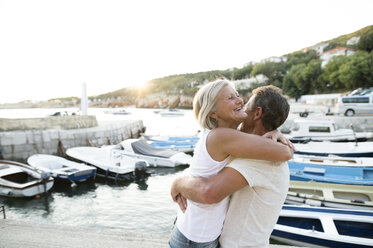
x=208, y=190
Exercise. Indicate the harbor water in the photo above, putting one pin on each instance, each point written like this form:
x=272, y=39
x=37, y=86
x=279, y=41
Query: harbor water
x=138, y=206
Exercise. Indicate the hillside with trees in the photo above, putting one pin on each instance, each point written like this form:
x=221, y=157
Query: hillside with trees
x=298, y=73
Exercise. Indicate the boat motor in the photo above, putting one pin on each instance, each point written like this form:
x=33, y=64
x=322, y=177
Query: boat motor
x=141, y=168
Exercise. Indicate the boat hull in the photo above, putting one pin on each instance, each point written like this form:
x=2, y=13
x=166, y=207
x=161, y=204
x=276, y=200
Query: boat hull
x=324, y=227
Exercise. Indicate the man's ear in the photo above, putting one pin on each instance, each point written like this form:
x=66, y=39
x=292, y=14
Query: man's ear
x=258, y=113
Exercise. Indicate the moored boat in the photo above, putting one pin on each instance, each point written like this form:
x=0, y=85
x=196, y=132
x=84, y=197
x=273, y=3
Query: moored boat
x=333, y=160
x=171, y=112
x=108, y=164
x=20, y=180
x=323, y=130
x=61, y=168
x=358, y=175
x=330, y=195
x=324, y=227
x=342, y=149
x=140, y=149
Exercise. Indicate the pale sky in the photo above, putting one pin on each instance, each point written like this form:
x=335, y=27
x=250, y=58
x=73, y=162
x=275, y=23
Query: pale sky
x=49, y=48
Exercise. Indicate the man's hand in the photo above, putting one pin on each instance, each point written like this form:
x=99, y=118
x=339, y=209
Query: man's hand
x=182, y=201
x=176, y=195
x=276, y=135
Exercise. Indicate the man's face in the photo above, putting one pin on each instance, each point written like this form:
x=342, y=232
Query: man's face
x=248, y=110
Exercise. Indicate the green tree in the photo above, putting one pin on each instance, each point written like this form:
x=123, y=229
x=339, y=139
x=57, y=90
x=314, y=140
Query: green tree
x=357, y=71
x=366, y=42
x=331, y=73
x=311, y=76
x=293, y=81
x=242, y=73
x=275, y=72
x=299, y=57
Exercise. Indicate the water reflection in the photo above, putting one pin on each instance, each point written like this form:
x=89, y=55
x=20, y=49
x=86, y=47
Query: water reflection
x=38, y=206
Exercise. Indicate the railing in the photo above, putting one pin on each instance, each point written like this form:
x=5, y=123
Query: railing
x=2, y=209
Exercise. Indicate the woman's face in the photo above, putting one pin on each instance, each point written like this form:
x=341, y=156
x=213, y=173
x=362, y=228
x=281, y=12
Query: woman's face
x=229, y=111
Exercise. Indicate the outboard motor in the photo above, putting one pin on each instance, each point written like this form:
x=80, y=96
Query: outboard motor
x=141, y=169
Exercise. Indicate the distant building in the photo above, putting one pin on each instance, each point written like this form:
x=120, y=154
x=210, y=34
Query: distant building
x=328, y=99
x=319, y=48
x=274, y=59
x=338, y=51
x=243, y=84
x=354, y=40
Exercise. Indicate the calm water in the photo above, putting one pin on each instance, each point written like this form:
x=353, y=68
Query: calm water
x=140, y=206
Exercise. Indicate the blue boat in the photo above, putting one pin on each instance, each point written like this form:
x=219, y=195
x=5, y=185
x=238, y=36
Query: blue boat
x=307, y=226
x=186, y=147
x=180, y=139
x=358, y=175
x=178, y=143
x=62, y=169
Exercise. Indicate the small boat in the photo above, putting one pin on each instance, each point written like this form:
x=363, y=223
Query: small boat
x=333, y=160
x=121, y=112
x=330, y=195
x=61, y=168
x=358, y=175
x=171, y=112
x=324, y=227
x=320, y=130
x=180, y=139
x=110, y=165
x=20, y=180
x=140, y=149
x=342, y=149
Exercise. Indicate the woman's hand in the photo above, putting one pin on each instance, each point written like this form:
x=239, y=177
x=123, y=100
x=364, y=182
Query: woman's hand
x=276, y=135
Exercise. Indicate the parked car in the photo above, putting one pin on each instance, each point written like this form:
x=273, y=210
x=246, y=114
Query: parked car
x=356, y=104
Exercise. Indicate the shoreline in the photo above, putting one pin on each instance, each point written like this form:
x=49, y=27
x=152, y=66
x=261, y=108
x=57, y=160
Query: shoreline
x=17, y=234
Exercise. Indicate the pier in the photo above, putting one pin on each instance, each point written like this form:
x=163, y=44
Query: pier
x=21, y=138
x=18, y=234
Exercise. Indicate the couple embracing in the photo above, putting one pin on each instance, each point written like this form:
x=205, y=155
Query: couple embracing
x=238, y=179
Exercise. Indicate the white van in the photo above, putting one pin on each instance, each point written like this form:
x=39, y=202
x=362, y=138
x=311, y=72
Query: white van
x=355, y=104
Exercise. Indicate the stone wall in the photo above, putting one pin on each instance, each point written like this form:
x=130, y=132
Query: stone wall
x=53, y=122
x=19, y=145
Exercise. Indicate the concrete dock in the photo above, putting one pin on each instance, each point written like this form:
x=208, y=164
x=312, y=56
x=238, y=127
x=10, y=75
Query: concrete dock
x=19, y=234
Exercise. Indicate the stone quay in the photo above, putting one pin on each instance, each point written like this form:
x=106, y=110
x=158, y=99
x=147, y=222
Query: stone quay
x=21, y=138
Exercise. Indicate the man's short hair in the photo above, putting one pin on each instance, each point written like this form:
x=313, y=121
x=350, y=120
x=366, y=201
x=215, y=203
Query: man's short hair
x=275, y=107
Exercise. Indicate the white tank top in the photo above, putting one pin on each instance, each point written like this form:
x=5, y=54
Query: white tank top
x=203, y=222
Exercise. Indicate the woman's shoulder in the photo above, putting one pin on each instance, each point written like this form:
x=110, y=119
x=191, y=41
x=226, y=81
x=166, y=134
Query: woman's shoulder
x=223, y=131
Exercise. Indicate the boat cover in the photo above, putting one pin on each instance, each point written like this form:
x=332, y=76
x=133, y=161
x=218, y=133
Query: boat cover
x=142, y=147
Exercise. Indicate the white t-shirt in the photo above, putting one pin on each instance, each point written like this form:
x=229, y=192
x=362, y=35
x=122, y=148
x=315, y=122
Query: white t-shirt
x=253, y=211
x=203, y=222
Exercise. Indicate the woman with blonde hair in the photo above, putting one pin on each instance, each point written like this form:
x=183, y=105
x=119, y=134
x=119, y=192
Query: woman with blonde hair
x=219, y=110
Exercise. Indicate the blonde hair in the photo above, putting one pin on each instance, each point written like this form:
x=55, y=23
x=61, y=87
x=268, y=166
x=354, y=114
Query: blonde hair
x=204, y=102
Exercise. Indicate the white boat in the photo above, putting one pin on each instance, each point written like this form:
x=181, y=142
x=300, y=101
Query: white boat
x=307, y=226
x=140, y=149
x=320, y=130
x=342, y=149
x=333, y=160
x=61, y=168
x=121, y=112
x=330, y=195
x=171, y=112
x=109, y=165
x=20, y=180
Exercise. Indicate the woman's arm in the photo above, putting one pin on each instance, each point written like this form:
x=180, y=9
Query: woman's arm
x=222, y=142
